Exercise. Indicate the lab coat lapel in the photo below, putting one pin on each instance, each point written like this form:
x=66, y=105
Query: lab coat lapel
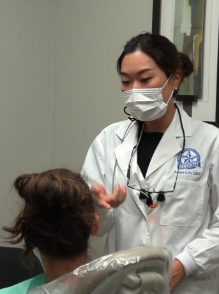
x=124, y=150
x=170, y=144
x=123, y=155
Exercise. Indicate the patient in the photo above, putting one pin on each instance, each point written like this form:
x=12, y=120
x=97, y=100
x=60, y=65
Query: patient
x=57, y=217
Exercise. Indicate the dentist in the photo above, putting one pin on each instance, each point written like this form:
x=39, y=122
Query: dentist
x=155, y=176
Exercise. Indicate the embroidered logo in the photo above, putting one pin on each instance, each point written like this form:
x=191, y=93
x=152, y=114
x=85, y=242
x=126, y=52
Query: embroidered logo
x=189, y=159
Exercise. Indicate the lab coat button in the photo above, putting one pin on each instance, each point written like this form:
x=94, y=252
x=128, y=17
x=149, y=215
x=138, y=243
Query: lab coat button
x=147, y=184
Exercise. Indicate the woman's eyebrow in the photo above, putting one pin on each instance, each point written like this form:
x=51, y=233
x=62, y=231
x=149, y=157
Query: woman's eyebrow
x=122, y=73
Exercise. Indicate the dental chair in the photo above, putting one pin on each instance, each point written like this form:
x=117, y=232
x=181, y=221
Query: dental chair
x=143, y=270
x=12, y=269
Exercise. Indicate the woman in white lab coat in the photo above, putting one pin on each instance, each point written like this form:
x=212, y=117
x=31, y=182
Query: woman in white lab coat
x=155, y=176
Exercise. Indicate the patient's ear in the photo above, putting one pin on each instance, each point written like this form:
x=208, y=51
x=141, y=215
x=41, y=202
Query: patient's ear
x=96, y=225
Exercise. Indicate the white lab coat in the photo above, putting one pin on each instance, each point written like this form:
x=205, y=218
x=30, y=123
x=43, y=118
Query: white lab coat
x=187, y=222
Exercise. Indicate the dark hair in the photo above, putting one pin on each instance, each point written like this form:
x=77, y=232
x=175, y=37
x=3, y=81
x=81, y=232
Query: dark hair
x=161, y=50
x=57, y=215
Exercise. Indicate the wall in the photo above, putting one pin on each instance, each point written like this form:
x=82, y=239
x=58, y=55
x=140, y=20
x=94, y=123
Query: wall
x=26, y=30
x=59, y=85
x=89, y=36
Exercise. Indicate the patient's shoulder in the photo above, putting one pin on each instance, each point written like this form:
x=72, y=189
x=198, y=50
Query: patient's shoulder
x=24, y=286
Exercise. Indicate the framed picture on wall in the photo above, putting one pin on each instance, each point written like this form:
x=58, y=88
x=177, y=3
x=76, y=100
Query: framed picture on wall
x=193, y=26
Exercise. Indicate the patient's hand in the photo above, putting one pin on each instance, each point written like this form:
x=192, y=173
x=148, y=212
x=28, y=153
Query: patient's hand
x=101, y=198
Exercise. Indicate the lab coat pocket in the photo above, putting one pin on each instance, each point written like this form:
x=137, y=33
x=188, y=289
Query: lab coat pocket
x=184, y=206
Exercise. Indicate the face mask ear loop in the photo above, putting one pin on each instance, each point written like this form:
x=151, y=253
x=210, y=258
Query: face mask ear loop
x=166, y=82
x=165, y=85
x=170, y=96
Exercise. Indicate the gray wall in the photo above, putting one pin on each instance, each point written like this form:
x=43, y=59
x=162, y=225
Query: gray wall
x=26, y=30
x=89, y=36
x=58, y=85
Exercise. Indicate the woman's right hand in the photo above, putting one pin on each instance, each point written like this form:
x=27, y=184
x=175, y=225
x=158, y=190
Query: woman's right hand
x=102, y=199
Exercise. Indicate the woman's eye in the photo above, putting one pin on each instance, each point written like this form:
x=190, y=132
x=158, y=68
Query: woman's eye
x=145, y=80
x=125, y=82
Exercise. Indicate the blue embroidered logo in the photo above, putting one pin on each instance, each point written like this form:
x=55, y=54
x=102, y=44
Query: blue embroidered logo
x=189, y=159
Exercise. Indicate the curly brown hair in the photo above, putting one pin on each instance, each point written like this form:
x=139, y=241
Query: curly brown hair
x=57, y=215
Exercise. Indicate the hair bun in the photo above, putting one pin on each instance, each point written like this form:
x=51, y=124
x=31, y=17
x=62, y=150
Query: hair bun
x=21, y=184
x=187, y=65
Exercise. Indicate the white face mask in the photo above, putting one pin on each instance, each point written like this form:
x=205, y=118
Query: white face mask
x=146, y=104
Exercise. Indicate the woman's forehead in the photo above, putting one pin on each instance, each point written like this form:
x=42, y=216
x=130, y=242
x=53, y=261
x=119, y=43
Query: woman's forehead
x=137, y=62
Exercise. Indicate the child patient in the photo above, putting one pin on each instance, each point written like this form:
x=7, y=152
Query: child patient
x=57, y=217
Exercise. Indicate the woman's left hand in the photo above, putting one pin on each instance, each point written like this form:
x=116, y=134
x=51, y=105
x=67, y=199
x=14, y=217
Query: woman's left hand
x=178, y=273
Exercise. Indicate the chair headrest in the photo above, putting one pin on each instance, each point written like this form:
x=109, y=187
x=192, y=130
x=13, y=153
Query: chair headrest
x=128, y=271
